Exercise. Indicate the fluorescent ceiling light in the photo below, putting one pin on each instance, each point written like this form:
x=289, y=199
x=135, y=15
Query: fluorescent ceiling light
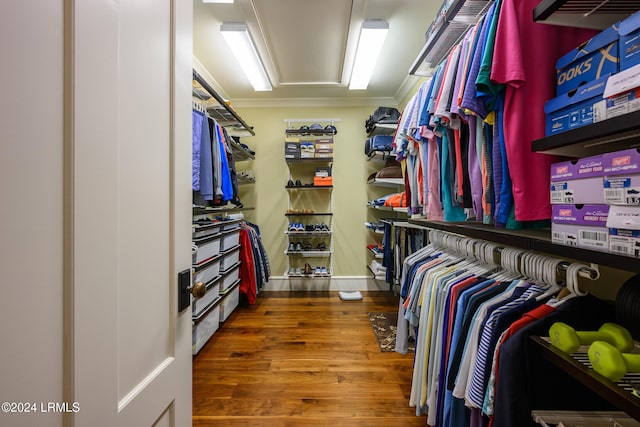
x=217, y=1
x=372, y=37
x=239, y=41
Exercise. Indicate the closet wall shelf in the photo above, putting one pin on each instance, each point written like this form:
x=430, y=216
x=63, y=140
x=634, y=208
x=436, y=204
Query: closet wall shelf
x=218, y=107
x=383, y=129
x=452, y=21
x=388, y=208
x=538, y=240
x=379, y=156
x=617, y=133
x=310, y=187
x=311, y=160
x=577, y=366
x=201, y=210
x=240, y=153
x=386, y=182
x=310, y=214
x=373, y=274
x=595, y=14
x=375, y=254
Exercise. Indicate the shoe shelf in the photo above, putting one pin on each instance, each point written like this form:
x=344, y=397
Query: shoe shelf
x=374, y=276
x=388, y=208
x=308, y=233
x=376, y=255
x=383, y=129
x=309, y=187
x=309, y=238
x=310, y=254
x=596, y=15
x=202, y=210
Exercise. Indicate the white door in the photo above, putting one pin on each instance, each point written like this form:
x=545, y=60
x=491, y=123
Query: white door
x=129, y=206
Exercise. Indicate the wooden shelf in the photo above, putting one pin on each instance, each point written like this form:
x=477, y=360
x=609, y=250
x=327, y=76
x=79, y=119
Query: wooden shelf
x=594, y=14
x=538, y=240
x=617, y=133
x=577, y=365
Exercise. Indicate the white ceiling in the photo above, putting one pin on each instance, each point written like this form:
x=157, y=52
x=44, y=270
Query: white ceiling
x=308, y=48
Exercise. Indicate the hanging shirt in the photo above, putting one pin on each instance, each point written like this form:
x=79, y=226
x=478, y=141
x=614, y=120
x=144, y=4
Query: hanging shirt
x=524, y=60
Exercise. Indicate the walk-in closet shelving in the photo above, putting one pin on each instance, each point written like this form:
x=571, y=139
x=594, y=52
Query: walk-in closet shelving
x=598, y=14
x=309, y=235
x=452, y=21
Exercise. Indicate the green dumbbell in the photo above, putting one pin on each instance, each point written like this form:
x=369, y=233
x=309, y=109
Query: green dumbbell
x=568, y=340
x=610, y=362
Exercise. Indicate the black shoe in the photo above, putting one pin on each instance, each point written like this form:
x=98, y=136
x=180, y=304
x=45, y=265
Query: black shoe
x=298, y=183
x=307, y=246
x=309, y=227
x=289, y=183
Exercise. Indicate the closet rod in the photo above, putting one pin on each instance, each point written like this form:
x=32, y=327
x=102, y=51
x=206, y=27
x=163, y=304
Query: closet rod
x=587, y=272
x=197, y=77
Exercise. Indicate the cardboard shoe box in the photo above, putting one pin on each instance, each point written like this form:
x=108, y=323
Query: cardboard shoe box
x=590, y=61
x=622, y=177
x=574, y=109
x=630, y=41
x=583, y=226
x=577, y=181
x=624, y=230
x=320, y=181
x=622, y=94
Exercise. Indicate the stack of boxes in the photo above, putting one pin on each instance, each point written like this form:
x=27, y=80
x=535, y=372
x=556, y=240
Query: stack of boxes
x=305, y=148
x=597, y=80
x=596, y=203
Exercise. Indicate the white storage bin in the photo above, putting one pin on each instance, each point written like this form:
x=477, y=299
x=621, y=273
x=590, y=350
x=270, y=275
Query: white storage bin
x=205, y=326
x=230, y=258
x=207, y=271
x=199, y=305
x=231, y=225
x=229, y=240
x=229, y=277
x=205, y=249
x=207, y=230
x=229, y=302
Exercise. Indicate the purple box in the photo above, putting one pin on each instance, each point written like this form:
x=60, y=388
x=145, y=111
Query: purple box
x=622, y=177
x=577, y=181
x=584, y=226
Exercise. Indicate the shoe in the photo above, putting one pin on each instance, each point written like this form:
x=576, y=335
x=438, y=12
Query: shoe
x=322, y=246
x=318, y=271
x=289, y=183
x=298, y=183
x=293, y=226
x=291, y=247
x=324, y=227
x=298, y=247
x=323, y=271
x=307, y=246
x=307, y=269
x=317, y=227
x=309, y=227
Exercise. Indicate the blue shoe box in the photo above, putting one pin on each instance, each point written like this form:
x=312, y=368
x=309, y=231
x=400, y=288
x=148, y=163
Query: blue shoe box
x=574, y=109
x=590, y=61
x=630, y=41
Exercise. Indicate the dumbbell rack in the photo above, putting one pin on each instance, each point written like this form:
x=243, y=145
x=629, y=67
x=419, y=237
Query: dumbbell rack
x=578, y=366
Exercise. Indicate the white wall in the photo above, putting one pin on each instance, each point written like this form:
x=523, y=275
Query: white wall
x=31, y=182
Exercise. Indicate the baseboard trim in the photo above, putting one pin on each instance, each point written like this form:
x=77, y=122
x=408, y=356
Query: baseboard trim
x=336, y=283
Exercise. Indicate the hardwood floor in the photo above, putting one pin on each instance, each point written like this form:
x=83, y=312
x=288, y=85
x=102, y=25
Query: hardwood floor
x=303, y=359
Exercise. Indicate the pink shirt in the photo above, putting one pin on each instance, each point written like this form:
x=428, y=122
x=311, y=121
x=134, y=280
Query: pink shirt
x=524, y=59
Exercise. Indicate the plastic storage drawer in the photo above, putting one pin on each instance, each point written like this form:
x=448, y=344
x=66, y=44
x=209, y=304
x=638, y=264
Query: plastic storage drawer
x=207, y=230
x=229, y=277
x=229, y=302
x=231, y=225
x=230, y=258
x=229, y=240
x=207, y=271
x=205, y=249
x=205, y=326
x=199, y=305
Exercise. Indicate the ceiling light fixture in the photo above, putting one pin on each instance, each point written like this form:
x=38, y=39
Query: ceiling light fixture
x=372, y=36
x=217, y=1
x=239, y=40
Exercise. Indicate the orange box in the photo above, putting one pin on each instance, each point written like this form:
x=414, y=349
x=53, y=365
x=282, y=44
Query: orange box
x=322, y=181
